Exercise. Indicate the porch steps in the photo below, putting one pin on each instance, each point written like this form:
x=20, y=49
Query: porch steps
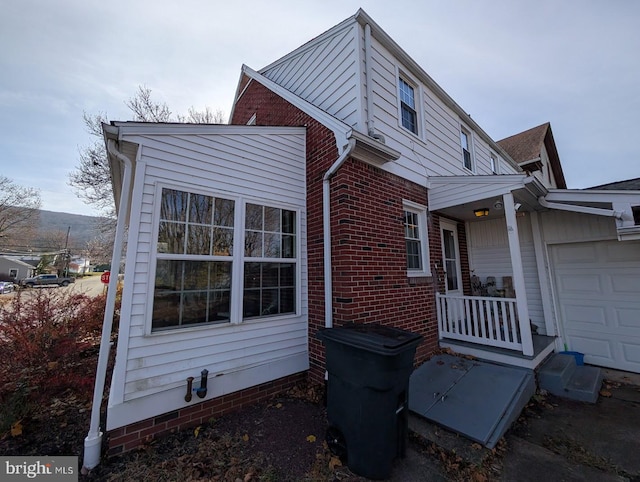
x=561, y=376
x=477, y=399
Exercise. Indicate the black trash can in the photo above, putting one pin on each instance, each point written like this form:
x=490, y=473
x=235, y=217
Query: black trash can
x=367, y=394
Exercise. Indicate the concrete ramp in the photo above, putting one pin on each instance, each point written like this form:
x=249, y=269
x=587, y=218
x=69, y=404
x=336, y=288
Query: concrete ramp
x=479, y=400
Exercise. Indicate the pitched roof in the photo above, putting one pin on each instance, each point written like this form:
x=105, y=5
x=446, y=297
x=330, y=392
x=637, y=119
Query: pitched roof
x=527, y=146
x=626, y=185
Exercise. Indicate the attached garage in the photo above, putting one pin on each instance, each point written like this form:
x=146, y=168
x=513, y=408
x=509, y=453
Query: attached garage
x=597, y=287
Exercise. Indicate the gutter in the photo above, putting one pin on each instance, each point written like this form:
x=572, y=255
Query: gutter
x=579, y=209
x=326, y=221
x=93, y=440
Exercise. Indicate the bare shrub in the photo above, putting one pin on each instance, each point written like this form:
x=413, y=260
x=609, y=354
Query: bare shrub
x=48, y=342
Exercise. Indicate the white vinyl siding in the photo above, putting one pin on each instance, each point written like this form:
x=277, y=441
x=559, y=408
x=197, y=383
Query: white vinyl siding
x=324, y=74
x=260, y=165
x=489, y=256
x=436, y=152
x=329, y=72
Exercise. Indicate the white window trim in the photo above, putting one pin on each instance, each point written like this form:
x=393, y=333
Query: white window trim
x=421, y=211
x=471, y=141
x=494, y=161
x=417, y=95
x=237, y=259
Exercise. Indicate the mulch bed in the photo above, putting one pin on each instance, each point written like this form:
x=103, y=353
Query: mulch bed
x=280, y=440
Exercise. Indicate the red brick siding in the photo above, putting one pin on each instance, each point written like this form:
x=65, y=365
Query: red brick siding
x=370, y=283
x=132, y=436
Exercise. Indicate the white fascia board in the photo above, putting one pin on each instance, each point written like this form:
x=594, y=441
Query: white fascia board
x=170, y=129
x=592, y=196
x=516, y=180
x=341, y=130
x=381, y=36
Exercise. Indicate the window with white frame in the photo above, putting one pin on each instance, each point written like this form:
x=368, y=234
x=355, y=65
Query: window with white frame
x=493, y=160
x=13, y=273
x=408, y=113
x=269, y=261
x=415, y=235
x=467, y=155
x=197, y=251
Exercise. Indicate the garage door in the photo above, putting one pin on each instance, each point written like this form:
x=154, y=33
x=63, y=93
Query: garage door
x=598, y=292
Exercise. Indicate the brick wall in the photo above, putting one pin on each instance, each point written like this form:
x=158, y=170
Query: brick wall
x=370, y=282
x=132, y=436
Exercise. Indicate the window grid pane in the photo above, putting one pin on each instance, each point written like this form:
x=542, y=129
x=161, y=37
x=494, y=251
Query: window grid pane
x=269, y=289
x=264, y=228
x=466, y=150
x=412, y=240
x=191, y=292
x=408, y=106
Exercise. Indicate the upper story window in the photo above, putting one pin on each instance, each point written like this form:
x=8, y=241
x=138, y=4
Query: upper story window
x=199, y=254
x=493, y=161
x=415, y=235
x=408, y=113
x=467, y=154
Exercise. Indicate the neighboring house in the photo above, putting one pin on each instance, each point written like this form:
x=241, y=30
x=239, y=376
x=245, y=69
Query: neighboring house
x=15, y=269
x=79, y=266
x=351, y=188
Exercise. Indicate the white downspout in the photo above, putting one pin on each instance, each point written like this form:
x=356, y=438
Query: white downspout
x=93, y=441
x=369, y=92
x=326, y=221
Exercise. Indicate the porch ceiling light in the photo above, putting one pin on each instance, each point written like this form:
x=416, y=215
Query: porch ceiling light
x=480, y=213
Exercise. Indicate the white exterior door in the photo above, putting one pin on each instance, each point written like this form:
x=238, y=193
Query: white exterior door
x=451, y=257
x=598, y=300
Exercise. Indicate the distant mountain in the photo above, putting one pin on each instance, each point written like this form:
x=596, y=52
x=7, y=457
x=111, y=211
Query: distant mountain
x=54, y=226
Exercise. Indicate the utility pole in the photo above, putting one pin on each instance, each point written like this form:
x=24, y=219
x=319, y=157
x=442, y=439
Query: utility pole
x=66, y=254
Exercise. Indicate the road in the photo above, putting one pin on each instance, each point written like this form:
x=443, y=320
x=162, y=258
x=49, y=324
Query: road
x=89, y=285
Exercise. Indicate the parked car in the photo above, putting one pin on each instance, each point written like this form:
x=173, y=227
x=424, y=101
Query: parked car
x=46, y=279
x=6, y=287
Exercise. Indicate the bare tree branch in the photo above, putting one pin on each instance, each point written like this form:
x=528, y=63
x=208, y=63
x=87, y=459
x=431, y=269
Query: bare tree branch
x=91, y=179
x=18, y=207
x=145, y=109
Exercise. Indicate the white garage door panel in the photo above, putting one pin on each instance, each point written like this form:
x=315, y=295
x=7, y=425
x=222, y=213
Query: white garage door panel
x=598, y=290
x=631, y=352
x=599, y=350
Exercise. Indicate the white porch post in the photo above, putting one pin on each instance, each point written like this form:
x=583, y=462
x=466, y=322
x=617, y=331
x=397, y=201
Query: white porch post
x=518, y=274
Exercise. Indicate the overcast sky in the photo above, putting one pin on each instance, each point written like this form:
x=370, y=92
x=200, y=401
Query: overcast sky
x=511, y=64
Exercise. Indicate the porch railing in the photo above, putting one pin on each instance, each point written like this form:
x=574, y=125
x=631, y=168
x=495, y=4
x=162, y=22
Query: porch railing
x=479, y=319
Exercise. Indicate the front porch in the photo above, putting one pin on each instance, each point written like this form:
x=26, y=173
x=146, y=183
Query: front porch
x=489, y=328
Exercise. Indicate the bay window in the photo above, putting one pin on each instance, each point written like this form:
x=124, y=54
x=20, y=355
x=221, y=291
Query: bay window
x=198, y=257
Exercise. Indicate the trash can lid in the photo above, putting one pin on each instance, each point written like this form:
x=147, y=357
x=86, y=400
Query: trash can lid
x=384, y=340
